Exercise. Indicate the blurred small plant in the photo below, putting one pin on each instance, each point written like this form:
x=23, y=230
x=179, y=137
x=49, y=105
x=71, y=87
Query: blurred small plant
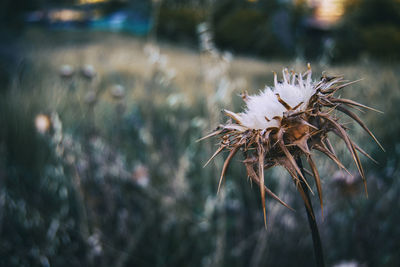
x=88, y=71
x=117, y=91
x=141, y=175
x=91, y=97
x=162, y=72
x=216, y=67
x=283, y=124
x=346, y=183
x=351, y=263
x=66, y=71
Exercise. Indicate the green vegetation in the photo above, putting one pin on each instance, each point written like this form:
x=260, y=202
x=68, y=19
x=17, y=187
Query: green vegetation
x=370, y=28
x=282, y=29
x=119, y=181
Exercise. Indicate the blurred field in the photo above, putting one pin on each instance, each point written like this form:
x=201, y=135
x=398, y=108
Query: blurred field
x=118, y=178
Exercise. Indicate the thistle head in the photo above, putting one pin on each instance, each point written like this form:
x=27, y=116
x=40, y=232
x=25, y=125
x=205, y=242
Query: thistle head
x=286, y=122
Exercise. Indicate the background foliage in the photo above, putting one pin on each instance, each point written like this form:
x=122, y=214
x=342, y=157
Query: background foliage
x=118, y=180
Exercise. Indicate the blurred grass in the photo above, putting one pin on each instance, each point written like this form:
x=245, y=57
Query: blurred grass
x=86, y=206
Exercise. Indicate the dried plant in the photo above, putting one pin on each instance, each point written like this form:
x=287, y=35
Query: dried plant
x=284, y=123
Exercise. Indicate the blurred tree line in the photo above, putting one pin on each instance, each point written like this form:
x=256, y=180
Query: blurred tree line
x=284, y=29
x=238, y=25
x=370, y=27
x=266, y=28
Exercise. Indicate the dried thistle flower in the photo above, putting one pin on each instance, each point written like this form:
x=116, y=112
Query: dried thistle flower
x=288, y=121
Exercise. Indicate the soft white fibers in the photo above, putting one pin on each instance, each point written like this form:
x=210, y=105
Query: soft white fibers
x=263, y=108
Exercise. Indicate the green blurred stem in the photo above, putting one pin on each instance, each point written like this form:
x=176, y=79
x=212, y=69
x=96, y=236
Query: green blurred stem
x=319, y=256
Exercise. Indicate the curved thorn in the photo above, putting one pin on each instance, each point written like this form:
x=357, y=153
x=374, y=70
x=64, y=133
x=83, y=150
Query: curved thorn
x=226, y=164
x=233, y=115
x=349, y=83
x=214, y=155
x=329, y=146
x=309, y=124
x=217, y=132
x=353, y=103
x=365, y=153
x=254, y=177
x=305, y=199
x=299, y=187
x=317, y=181
x=298, y=105
x=293, y=163
x=332, y=157
x=286, y=105
x=362, y=171
x=261, y=175
x=307, y=172
x=338, y=129
x=360, y=122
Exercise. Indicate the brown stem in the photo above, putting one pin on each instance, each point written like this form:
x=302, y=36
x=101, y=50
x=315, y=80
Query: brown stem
x=319, y=257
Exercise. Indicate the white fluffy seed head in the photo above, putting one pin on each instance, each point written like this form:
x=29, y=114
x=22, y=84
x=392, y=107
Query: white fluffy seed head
x=262, y=108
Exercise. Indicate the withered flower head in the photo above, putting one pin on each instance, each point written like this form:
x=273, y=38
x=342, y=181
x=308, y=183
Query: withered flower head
x=284, y=123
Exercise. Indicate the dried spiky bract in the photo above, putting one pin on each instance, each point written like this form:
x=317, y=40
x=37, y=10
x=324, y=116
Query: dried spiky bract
x=288, y=121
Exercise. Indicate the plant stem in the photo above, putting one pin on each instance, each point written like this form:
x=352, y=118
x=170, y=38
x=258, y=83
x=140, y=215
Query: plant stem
x=319, y=257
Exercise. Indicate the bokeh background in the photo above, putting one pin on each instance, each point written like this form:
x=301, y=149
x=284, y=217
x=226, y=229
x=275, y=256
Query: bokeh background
x=101, y=104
